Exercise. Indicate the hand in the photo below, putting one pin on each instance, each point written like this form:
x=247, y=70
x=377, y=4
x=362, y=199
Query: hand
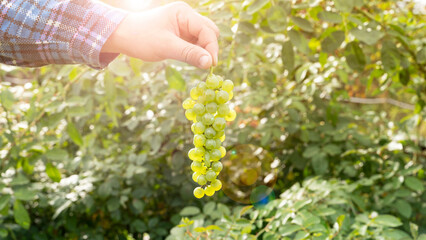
x=174, y=31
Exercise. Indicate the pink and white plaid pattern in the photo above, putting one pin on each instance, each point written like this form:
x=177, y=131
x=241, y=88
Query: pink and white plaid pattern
x=38, y=32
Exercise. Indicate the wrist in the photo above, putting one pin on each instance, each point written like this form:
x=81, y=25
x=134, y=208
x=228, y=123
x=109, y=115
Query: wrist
x=114, y=43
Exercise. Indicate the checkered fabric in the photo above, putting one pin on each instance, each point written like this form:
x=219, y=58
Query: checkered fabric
x=39, y=32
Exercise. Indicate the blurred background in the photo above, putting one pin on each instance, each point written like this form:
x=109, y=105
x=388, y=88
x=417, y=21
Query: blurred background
x=329, y=141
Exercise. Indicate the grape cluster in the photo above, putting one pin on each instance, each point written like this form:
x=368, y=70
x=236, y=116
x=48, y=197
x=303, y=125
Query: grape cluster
x=209, y=111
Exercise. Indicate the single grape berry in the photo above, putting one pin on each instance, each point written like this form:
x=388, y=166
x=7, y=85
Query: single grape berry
x=199, y=151
x=188, y=103
x=192, y=154
x=217, y=166
x=210, y=144
x=228, y=86
x=196, y=166
x=202, y=86
x=209, y=191
x=211, y=107
x=209, y=95
x=199, y=128
x=198, y=109
x=219, y=134
x=219, y=124
x=198, y=192
x=222, y=97
x=195, y=175
x=195, y=93
x=218, y=142
x=216, y=184
x=201, y=180
x=223, y=110
x=222, y=151
x=190, y=115
x=210, y=175
x=199, y=140
x=210, y=132
x=212, y=82
x=207, y=119
x=222, y=138
x=215, y=155
x=231, y=116
x=207, y=159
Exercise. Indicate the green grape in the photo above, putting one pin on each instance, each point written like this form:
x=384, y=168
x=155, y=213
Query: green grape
x=210, y=144
x=219, y=124
x=198, y=109
x=199, y=118
x=207, y=158
x=196, y=166
x=222, y=97
x=192, y=154
x=219, y=134
x=207, y=119
x=218, y=142
x=210, y=132
x=195, y=176
x=220, y=81
x=202, y=86
x=210, y=175
x=195, y=93
x=217, y=166
x=223, y=110
x=198, y=192
x=222, y=151
x=216, y=184
x=190, y=115
x=199, y=140
x=202, y=99
x=199, y=128
x=231, y=116
x=209, y=191
x=215, y=154
x=212, y=81
x=201, y=180
x=188, y=103
x=211, y=107
x=228, y=86
x=209, y=95
x=199, y=151
x=231, y=95
x=208, y=110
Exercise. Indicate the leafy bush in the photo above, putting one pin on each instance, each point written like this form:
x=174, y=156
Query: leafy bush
x=91, y=154
x=319, y=209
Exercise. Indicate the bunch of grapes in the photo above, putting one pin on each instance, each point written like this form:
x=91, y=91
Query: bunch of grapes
x=209, y=111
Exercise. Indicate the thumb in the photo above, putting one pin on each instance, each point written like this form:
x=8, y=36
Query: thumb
x=186, y=52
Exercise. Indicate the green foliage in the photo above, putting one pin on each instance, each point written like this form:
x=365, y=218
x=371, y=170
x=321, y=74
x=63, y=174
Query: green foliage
x=316, y=209
x=101, y=154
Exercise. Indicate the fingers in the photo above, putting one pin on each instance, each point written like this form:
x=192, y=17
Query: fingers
x=205, y=40
x=186, y=52
x=192, y=24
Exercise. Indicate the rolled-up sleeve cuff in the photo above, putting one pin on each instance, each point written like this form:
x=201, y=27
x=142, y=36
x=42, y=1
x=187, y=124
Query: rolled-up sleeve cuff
x=99, y=22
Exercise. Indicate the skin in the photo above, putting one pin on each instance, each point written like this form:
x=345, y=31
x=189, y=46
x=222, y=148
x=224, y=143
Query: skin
x=173, y=31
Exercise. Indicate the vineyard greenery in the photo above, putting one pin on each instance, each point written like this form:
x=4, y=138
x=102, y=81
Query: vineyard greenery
x=329, y=140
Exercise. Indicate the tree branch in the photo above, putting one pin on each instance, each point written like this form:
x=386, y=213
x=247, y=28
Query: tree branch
x=378, y=101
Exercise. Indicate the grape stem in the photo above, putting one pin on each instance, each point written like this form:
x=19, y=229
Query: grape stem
x=211, y=70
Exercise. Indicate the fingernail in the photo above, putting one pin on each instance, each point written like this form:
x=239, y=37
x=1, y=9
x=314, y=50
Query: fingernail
x=204, y=60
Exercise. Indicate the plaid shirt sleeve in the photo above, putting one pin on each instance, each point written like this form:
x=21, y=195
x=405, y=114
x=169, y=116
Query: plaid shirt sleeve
x=39, y=32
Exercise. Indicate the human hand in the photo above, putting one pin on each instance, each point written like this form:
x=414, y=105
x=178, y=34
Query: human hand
x=174, y=31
